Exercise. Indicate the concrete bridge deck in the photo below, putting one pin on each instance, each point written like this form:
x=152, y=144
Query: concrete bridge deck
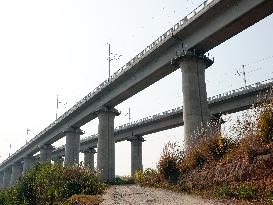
x=225, y=103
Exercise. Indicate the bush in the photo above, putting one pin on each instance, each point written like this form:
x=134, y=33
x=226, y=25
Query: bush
x=245, y=192
x=9, y=197
x=182, y=186
x=240, y=192
x=124, y=180
x=168, y=165
x=265, y=124
x=225, y=191
x=46, y=184
x=209, y=149
x=219, y=146
x=79, y=180
x=149, y=177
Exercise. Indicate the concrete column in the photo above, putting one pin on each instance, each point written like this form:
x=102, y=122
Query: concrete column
x=106, y=144
x=1, y=179
x=29, y=162
x=72, y=147
x=89, y=158
x=58, y=160
x=16, y=171
x=45, y=153
x=6, y=178
x=195, y=106
x=136, y=154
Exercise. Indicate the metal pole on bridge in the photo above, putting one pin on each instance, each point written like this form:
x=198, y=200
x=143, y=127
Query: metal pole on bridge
x=115, y=56
x=109, y=59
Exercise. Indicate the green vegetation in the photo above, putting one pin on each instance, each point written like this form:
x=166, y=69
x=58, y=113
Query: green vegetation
x=49, y=184
x=241, y=192
x=123, y=180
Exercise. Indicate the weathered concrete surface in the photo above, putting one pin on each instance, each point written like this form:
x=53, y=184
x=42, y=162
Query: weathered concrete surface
x=72, y=147
x=6, y=178
x=136, y=154
x=46, y=152
x=106, y=144
x=29, y=162
x=89, y=158
x=16, y=171
x=195, y=105
x=1, y=179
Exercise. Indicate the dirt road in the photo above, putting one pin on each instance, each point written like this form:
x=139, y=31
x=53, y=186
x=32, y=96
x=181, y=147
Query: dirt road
x=135, y=195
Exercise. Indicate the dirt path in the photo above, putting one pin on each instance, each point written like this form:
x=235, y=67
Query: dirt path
x=134, y=195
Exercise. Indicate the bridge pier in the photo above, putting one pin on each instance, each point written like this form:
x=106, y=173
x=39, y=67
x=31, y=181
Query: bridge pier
x=106, y=144
x=58, y=160
x=45, y=153
x=72, y=146
x=1, y=179
x=136, y=154
x=6, y=177
x=195, y=106
x=16, y=171
x=29, y=162
x=89, y=158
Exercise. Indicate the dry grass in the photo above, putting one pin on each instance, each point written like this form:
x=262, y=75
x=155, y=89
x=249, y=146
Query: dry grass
x=84, y=200
x=238, y=166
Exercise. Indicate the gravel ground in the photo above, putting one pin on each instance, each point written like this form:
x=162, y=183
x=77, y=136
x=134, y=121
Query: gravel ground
x=133, y=194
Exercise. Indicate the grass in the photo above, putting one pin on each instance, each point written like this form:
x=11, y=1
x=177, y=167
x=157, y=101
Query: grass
x=238, y=166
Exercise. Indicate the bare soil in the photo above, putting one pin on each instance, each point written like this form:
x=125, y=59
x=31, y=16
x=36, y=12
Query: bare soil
x=136, y=195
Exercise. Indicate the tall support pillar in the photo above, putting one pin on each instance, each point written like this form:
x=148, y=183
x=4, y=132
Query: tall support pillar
x=72, y=146
x=6, y=178
x=89, y=158
x=106, y=144
x=1, y=179
x=195, y=106
x=136, y=154
x=16, y=171
x=45, y=153
x=29, y=162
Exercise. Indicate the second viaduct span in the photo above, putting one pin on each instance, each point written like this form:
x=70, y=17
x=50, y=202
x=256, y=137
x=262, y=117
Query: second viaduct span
x=226, y=103
x=184, y=45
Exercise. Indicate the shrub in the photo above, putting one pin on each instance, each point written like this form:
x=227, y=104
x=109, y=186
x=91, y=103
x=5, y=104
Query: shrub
x=168, y=165
x=219, y=146
x=182, y=186
x=124, y=180
x=47, y=184
x=149, y=177
x=240, y=192
x=225, y=191
x=79, y=180
x=10, y=197
x=209, y=149
x=245, y=192
x=265, y=124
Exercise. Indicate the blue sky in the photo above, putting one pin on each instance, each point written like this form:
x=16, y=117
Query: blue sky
x=60, y=47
